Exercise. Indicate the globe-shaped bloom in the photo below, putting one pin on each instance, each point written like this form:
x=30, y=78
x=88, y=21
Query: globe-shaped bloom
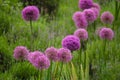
x=33, y=55
x=107, y=17
x=30, y=13
x=106, y=33
x=89, y=15
x=51, y=53
x=80, y=20
x=64, y=55
x=96, y=5
x=85, y=4
x=42, y=62
x=21, y=53
x=71, y=42
x=96, y=12
x=82, y=34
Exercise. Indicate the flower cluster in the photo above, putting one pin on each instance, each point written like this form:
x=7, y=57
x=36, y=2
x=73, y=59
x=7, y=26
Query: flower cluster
x=82, y=34
x=71, y=42
x=90, y=13
x=30, y=13
x=39, y=60
x=21, y=53
x=80, y=20
x=64, y=55
x=106, y=33
x=52, y=53
x=85, y=4
x=107, y=17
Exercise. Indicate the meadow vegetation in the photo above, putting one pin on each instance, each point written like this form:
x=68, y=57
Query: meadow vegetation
x=100, y=60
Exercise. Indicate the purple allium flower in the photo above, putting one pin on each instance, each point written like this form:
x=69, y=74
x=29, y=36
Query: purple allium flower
x=21, y=53
x=96, y=12
x=64, y=55
x=96, y=5
x=33, y=55
x=30, y=13
x=80, y=20
x=85, y=4
x=107, y=17
x=81, y=33
x=106, y=33
x=89, y=15
x=71, y=42
x=42, y=62
x=51, y=53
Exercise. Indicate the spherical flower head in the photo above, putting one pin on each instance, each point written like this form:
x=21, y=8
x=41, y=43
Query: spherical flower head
x=107, y=17
x=21, y=53
x=80, y=20
x=96, y=5
x=106, y=33
x=30, y=13
x=96, y=12
x=64, y=55
x=51, y=53
x=71, y=42
x=34, y=55
x=89, y=15
x=85, y=4
x=82, y=34
x=42, y=62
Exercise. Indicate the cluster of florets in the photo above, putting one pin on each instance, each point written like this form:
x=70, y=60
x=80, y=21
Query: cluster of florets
x=89, y=14
x=30, y=13
x=42, y=60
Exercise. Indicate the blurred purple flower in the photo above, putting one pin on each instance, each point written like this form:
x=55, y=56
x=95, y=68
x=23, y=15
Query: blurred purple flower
x=42, y=62
x=97, y=6
x=82, y=34
x=71, y=42
x=80, y=20
x=89, y=15
x=51, y=53
x=107, y=17
x=85, y=4
x=33, y=55
x=96, y=12
x=30, y=13
x=21, y=53
x=106, y=33
x=64, y=55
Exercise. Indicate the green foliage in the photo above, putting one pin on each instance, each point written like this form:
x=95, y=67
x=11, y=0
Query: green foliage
x=4, y=23
x=45, y=6
x=5, y=57
x=23, y=71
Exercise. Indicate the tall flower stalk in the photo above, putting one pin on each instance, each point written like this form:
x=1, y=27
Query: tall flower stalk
x=32, y=36
x=30, y=13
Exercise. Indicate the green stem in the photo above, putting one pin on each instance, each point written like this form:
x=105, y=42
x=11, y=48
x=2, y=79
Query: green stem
x=61, y=70
x=41, y=74
x=32, y=37
x=79, y=62
x=55, y=70
x=49, y=76
x=116, y=9
x=105, y=52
